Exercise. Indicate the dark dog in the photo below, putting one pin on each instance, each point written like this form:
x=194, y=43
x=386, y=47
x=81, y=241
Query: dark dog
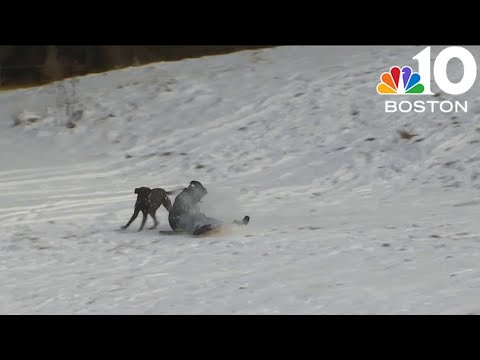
x=148, y=201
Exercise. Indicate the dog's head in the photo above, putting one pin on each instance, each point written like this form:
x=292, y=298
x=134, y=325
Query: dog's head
x=143, y=191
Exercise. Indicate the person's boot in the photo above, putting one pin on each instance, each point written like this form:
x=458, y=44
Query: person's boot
x=245, y=221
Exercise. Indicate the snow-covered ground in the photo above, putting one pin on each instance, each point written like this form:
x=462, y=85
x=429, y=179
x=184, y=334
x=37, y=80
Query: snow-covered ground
x=347, y=217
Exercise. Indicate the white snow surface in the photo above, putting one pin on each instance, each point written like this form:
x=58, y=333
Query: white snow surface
x=347, y=217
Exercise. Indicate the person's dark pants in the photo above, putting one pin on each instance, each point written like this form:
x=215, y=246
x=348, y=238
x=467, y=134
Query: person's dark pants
x=190, y=222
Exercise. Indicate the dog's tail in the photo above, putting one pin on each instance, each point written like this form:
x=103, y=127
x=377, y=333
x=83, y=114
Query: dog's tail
x=167, y=203
x=171, y=192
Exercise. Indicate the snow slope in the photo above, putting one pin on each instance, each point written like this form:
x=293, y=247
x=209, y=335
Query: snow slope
x=347, y=217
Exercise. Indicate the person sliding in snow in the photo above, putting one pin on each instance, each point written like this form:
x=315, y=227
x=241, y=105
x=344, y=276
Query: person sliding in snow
x=185, y=214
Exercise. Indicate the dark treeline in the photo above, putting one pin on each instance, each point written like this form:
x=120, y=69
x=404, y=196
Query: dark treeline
x=35, y=65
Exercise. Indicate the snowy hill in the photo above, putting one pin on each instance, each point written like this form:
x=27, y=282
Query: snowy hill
x=347, y=215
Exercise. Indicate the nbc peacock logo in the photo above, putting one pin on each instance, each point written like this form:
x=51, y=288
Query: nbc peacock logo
x=400, y=81
x=404, y=81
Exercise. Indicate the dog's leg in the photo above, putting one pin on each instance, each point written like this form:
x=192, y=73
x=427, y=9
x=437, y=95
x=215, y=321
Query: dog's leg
x=132, y=219
x=154, y=217
x=144, y=213
x=167, y=204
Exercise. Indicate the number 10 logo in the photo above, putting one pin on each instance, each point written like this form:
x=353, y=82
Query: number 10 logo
x=403, y=81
